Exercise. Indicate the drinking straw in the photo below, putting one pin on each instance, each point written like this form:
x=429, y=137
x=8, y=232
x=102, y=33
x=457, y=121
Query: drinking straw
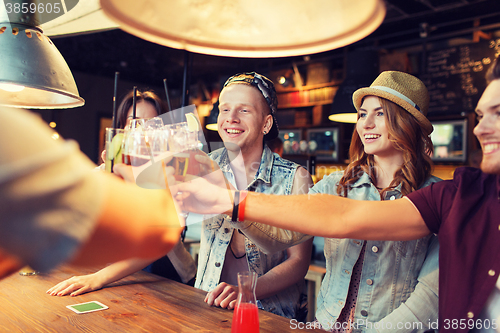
x=134, y=97
x=150, y=151
x=169, y=106
x=166, y=93
x=117, y=74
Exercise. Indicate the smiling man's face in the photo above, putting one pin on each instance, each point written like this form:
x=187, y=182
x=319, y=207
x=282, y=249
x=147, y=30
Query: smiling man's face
x=243, y=117
x=487, y=130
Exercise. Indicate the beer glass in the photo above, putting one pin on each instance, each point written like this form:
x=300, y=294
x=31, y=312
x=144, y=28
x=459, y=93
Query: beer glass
x=184, y=144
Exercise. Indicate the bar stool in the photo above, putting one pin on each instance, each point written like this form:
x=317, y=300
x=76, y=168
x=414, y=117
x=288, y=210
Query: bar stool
x=314, y=277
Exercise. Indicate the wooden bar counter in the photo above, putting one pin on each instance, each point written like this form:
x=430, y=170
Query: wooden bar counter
x=142, y=302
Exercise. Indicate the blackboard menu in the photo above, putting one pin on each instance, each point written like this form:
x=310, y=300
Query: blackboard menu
x=455, y=76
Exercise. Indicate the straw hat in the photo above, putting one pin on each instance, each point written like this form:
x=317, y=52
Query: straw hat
x=403, y=89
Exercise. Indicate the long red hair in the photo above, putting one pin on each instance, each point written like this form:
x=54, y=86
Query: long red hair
x=408, y=137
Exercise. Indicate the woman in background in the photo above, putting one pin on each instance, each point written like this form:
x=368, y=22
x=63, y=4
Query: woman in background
x=370, y=281
x=177, y=265
x=148, y=105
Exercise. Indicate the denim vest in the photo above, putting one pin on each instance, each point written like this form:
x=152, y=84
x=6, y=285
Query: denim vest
x=390, y=271
x=275, y=175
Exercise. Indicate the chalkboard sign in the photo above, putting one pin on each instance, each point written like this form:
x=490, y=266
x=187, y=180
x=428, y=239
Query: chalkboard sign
x=455, y=76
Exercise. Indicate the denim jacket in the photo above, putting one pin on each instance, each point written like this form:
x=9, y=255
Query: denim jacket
x=398, y=289
x=391, y=271
x=275, y=175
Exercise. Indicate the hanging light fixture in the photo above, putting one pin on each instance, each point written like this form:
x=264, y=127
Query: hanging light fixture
x=242, y=28
x=85, y=17
x=211, y=120
x=361, y=69
x=33, y=74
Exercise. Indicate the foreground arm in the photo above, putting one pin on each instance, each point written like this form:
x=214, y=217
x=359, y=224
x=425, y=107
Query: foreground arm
x=326, y=215
x=78, y=285
x=53, y=203
x=269, y=238
x=134, y=222
x=8, y=264
x=337, y=217
x=421, y=308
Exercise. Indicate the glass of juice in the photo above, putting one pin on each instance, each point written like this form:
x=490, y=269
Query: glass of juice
x=135, y=149
x=113, y=147
x=183, y=142
x=246, y=313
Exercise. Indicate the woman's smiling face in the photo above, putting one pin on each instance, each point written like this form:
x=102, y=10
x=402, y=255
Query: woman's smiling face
x=372, y=128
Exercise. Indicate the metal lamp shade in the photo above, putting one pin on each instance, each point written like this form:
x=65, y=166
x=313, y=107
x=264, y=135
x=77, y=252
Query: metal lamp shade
x=344, y=117
x=29, y=58
x=242, y=28
x=361, y=69
x=211, y=120
x=343, y=110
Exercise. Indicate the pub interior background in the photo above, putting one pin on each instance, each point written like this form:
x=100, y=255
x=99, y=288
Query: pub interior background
x=446, y=43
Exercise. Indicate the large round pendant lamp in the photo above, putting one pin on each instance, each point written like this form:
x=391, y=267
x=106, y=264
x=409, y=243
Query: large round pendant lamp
x=242, y=28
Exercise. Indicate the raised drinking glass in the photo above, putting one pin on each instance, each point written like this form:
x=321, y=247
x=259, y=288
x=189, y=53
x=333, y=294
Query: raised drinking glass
x=114, y=138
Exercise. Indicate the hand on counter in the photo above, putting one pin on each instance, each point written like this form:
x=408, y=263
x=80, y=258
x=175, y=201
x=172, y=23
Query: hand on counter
x=77, y=285
x=224, y=296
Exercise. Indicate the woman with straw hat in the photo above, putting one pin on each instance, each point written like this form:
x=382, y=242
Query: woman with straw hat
x=390, y=283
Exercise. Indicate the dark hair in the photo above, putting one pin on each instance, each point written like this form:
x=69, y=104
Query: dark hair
x=407, y=136
x=493, y=72
x=146, y=96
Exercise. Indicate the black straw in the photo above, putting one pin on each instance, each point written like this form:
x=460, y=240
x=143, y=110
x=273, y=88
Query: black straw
x=134, y=97
x=166, y=93
x=169, y=106
x=117, y=74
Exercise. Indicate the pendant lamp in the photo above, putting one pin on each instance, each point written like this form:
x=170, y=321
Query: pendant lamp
x=211, y=120
x=33, y=73
x=242, y=28
x=361, y=69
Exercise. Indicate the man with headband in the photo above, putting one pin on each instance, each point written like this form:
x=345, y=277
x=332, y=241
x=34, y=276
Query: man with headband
x=247, y=108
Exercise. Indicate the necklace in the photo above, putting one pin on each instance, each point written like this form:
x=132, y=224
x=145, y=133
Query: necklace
x=234, y=255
